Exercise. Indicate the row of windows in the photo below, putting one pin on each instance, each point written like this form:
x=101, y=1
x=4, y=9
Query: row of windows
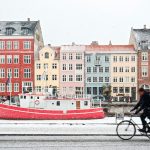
x=14, y=73
x=121, y=89
x=98, y=79
x=9, y=59
x=124, y=69
x=70, y=56
x=97, y=69
x=9, y=45
x=124, y=79
x=8, y=88
x=46, y=66
x=40, y=77
x=78, y=78
x=96, y=59
x=123, y=58
x=70, y=66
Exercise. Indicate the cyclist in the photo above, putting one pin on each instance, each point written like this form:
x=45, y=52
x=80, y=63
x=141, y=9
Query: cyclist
x=143, y=104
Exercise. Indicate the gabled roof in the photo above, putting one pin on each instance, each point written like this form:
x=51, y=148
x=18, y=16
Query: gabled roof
x=17, y=27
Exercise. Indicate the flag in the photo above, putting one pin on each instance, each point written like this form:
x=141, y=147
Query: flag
x=8, y=80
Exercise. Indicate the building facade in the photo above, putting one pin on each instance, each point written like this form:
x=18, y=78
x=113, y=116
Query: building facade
x=123, y=73
x=140, y=38
x=97, y=71
x=47, y=69
x=72, y=70
x=19, y=45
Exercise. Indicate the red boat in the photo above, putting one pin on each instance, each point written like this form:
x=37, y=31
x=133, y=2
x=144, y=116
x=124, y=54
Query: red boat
x=46, y=107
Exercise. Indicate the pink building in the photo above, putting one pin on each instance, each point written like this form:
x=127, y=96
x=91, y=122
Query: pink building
x=72, y=70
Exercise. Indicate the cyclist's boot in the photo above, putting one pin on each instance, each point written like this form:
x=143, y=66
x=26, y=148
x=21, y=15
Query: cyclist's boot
x=148, y=130
x=142, y=130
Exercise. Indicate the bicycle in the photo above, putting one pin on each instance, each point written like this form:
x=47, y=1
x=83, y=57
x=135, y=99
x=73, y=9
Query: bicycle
x=127, y=129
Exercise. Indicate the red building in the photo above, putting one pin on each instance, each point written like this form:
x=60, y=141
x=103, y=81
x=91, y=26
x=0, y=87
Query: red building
x=20, y=42
x=140, y=38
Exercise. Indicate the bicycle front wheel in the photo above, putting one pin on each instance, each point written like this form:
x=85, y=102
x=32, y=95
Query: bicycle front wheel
x=126, y=130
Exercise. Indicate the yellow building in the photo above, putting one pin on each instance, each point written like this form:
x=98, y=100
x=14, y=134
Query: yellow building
x=47, y=69
x=124, y=73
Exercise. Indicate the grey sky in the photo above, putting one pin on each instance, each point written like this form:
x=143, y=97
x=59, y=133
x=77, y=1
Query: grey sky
x=81, y=21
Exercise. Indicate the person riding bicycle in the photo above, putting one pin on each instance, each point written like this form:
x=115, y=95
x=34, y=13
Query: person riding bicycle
x=143, y=104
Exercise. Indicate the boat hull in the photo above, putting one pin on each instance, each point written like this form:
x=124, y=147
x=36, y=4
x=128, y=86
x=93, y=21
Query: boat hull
x=13, y=112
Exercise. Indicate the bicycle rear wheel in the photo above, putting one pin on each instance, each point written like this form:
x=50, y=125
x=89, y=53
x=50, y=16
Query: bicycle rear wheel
x=126, y=130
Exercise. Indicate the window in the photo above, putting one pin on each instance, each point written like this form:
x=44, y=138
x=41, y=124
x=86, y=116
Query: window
x=88, y=79
x=115, y=79
x=106, y=79
x=27, y=45
x=100, y=79
x=115, y=69
x=127, y=58
x=38, y=77
x=144, y=71
x=106, y=69
x=2, y=73
x=38, y=66
x=46, y=66
x=64, y=67
x=16, y=73
x=127, y=90
x=70, y=56
x=88, y=59
x=2, y=45
x=16, y=59
x=46, y=55
x=10, y=30
x=9, y=87
x=38, y=89
x=78, y=56
x=132, y=58
x=70, y=77
x=85, y=103
x=9, y=72
x=54, y=66
x=132, y=69
x=25, y=31
x=94, y=69
x=115, y=58
x=9, y=59
x=121, y=69
x=15, y=45
x=70, y=67
x=101, y=69
x=27, y=59
x=94, y=90
x=2, y=59
x=88, y=69
x=126, y=79
x=133, y=79
x=78, y=66
x=121, y=79
x=115, y=90
x=27, y=73
x=16, y=87
x=89, y=90
x=64, y=78
x=144, y=56
x=64, y=56
x=9, y=45
x=94, y=79
x=2, y=87
x=121, y=58
x=46, y=77
x=54, y=77
x=78, y=77
x=121, y=90
x=106, y=59
x=58, y=103
x=126, y=69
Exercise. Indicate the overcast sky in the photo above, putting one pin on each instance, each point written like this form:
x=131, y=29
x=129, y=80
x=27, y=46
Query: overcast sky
x=81, y=21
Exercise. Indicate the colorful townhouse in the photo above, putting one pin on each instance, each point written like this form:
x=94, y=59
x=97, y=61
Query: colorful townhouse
x=72, y=75
x=97, y=70
x=20, y=42
x=123, y=72
x=47, y=69
x=140, y=38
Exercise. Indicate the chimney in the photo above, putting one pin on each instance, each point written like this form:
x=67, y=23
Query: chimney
x=49, y=45
x=94, y=43
x=110, y=43
x=145, y=26
x=28, y=19
x=73, y=43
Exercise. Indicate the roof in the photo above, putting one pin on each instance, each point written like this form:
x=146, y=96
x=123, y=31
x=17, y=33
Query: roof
x=110, y=48
x=17, y=27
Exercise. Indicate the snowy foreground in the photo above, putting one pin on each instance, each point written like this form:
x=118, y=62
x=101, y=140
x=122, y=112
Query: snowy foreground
x=105, y=126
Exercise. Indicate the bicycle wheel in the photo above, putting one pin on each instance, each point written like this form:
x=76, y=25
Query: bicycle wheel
x=126, y=130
